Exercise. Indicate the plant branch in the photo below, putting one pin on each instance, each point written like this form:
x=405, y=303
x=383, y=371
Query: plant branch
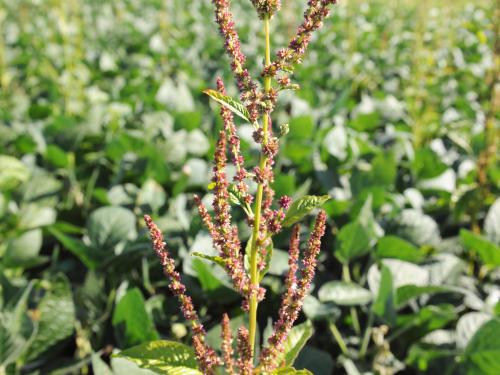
x=254, y=272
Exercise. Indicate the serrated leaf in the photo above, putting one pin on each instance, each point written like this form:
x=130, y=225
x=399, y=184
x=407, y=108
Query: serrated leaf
x=233, y=105
x=163, y=357
x=344, y=293
x=301, y=207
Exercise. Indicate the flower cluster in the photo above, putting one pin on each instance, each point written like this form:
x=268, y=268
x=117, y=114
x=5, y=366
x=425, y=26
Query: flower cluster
x=287, y=58
x=250, y=93
x=266, y=217
x=266, y=8
x=296, y=291
x=205, y=355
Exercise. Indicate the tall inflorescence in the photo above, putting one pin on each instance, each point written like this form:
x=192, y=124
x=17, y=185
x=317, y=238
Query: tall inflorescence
x=264, y=214
x=205, y=355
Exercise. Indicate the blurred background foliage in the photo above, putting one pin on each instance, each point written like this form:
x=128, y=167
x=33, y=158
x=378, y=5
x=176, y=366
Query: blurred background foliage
x=102, y=119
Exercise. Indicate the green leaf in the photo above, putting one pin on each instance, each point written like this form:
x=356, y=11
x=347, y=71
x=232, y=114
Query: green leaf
x=87, y=255
x=398, y=248
x=301, y=128
x=12, y=172
x=290, y=371
x=468, y=325
x=131, y=321
x=406, y=293
x=233, y=105
x=384, y=304
x=354, y=242
x=301, y=207
x=213, y=258
x=206, y=276
x=163, y=357
x=483, y=351
x=296, y=340
x=318, y=362
x=492, y=223
x=23, y=251
x=418, y=228
x=57, y=317
x=315, y=310
x=344, y=293
x=110, y=226
x=486, y=250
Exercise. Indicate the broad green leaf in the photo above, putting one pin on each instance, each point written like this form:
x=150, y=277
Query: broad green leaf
x=396, y=247
x=383, y=305
x=12, y=172
x=318, y=362
x=110, y=226
x=206, y=276
x=131, y=321
x=17, y=330
x=57, y=317
x=35, y=216
x=233, y=105
x=486, y=250
x=163, y=357
x=344, y=293
x=483, y=351
x=316, y=310
x=297, y=338
x=492, y=223
x=406, y=293
x=302, y=206
x=86, y=254
x=151, y=195
x=468, y=325
x=354, y=241
x=23, y=251
x=418, y=228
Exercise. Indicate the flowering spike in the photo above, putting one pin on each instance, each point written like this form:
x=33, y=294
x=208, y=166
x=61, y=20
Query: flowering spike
x=234, y=141
x=244, y=362
x=227, y=345
x=248, y=88
x=225, y=235
x=316, y=12
x=207, y=359
x=293, y=298
x=266, y=8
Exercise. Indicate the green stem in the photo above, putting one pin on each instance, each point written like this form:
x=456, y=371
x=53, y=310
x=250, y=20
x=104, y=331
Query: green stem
x=338, y=337
x=366, y=337
x=346, y=275
x=254, y=271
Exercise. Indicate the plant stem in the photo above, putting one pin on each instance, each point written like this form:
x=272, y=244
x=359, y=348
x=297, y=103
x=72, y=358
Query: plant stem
x=366, y=337
x=346, y=275
x=254, y=271
x=338, y=337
